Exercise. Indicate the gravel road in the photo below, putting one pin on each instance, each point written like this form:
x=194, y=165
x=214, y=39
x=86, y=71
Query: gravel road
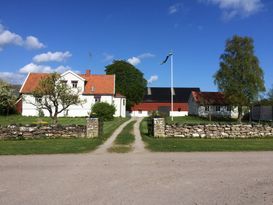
x=138, y=178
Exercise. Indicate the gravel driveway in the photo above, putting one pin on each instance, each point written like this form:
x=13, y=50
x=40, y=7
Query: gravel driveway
x=138, y=178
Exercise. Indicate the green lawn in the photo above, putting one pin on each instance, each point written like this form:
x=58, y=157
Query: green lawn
x=201, y=145
x=196, y=120
x=124, y=140
x=18, y=119
x=55, y=146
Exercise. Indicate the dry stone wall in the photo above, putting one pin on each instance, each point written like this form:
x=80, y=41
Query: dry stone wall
x=92, y=129
x=216, y=130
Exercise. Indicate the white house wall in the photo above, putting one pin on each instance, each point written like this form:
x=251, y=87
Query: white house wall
x=28, y=109
x=120, y=104
x=145, y=113
x=138, y=114
x=222, y=113
x=178, y=113
x=69, y=77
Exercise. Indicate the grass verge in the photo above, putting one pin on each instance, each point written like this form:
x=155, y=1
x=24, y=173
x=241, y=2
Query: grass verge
x=123, y=142
x=203, y=145
x=57, y=146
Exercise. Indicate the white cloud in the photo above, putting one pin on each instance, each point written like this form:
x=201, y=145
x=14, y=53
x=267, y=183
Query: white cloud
x=107, y=57
x=32, y=42
x=9, y=38
x=152, y=79
x=135, y=60
x=233, y=8
x=13, y=78
x=146, y=55
x=175, y=8
x=49, y=56
x=34, y=68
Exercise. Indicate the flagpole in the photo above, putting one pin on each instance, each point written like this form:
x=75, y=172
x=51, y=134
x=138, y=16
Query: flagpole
x=172, y=86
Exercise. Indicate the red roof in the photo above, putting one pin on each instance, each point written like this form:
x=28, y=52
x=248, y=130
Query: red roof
x=209, y=98
x=156, y=106
x=32, y=82
x=94, y=84
x=99, y=84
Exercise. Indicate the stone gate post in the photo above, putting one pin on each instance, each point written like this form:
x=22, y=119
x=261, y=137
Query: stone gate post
x=94, y=127
x=159, y=127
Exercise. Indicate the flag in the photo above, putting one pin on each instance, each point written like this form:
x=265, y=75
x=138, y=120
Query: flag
x=166, y=59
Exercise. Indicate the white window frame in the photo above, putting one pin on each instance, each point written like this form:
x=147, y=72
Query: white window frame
x=74, y=83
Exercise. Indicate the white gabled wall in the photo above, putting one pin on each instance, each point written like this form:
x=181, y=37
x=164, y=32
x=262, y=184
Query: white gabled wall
x=69, y=76
x=28, y=109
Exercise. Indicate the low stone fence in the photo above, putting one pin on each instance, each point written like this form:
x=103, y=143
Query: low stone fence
x=160, y=129
x=92, y=129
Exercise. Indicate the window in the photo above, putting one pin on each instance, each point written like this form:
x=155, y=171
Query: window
x=38, y=100
x=218, y=108
x=63, y=81
x=123, y=101
x=97, y=98
x=229, y=108
x=207, y=108
x=74, y=83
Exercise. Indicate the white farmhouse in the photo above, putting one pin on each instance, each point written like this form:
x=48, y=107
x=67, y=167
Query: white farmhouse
x=92, y=89
x=214, y=104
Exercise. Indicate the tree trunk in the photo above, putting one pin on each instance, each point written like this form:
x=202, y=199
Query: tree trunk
x=240, y=114
x=55, y=119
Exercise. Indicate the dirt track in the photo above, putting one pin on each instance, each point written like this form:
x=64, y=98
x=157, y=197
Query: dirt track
x=138, y=178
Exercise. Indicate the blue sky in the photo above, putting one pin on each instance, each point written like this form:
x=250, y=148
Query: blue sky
x=46, y=36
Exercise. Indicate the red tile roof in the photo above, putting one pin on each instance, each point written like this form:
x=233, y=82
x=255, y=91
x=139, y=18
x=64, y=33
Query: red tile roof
x=32, y=82
x=95, y=84
x=209, y=98
x=156, y=106
x=99, y=84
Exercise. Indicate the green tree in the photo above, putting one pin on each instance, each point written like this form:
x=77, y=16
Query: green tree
x=240, y=76
x=7, y=98
x=55, y=96
x=129, y=81
x=103, y=110
x=270, y=95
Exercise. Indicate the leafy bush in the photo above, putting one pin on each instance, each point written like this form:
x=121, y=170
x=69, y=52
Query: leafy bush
x=103, y=110
x=7, y=99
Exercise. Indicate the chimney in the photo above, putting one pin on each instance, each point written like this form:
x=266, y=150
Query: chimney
x=88, y=72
